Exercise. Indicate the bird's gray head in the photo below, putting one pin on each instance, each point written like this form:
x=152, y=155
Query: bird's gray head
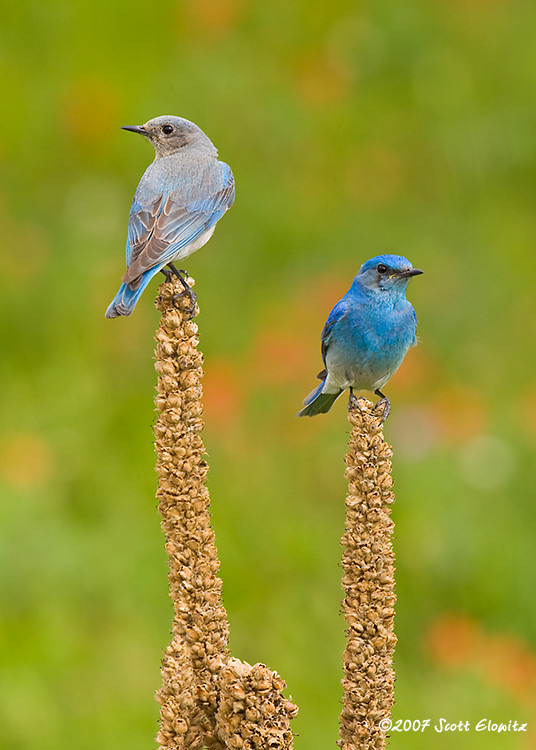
x=386, y=273
x=170, y=134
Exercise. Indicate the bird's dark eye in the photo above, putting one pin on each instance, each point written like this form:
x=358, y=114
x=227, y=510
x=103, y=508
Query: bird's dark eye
x=381, y=268
x=167, y=129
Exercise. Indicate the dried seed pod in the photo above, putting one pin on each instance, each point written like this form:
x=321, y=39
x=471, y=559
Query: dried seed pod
x=368, y=564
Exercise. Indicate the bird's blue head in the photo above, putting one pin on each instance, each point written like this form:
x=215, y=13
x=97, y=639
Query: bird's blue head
x=386, y=273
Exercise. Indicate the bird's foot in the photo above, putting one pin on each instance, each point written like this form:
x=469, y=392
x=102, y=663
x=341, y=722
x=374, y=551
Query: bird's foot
x=383, y=403
x=353, y=402
x=188, y=291
x=172, y=270
x=192, y=296
x=167, y=273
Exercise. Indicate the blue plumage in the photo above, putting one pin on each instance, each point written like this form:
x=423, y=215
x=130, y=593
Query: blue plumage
x=179, y=200
x=367, y=334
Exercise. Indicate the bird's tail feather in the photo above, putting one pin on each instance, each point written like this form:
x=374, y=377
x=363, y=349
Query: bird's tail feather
x=126, y=298
x=318, y=403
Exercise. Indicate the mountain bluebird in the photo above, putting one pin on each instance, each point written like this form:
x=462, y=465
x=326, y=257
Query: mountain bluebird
x=181, y=196
x=367, y=335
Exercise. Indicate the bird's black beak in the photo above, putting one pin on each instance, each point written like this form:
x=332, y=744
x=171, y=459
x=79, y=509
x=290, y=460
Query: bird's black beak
x=135, y=129
x=409, y=273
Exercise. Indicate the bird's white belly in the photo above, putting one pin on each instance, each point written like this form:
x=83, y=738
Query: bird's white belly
x=184, y=252
x=341, y=377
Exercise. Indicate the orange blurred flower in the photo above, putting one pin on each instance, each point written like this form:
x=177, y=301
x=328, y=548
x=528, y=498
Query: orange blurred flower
x=90, y=111
x=26, y=461
x=460, y=642
x=461, y=412
x=319, y=81
x=223, y=395
x=206, y=19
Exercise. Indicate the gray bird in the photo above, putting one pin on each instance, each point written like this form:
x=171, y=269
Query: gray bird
x=179, y=199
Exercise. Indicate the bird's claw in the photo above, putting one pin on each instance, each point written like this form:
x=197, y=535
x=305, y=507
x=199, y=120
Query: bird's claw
x=353, y=402
x=167, y=273
x=188, y=291
x=192, y=296
x=386, y=404
x=383, y=402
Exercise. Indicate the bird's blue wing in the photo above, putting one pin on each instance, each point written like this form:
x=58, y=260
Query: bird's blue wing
x=159, y=231
x=335, y=317
x=141, y=222
x=414, y=342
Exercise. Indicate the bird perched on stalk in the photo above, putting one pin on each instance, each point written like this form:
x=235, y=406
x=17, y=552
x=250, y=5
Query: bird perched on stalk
x=179, y=199
x=367, y=335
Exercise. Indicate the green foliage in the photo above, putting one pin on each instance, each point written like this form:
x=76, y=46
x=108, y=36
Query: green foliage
x=352, y=129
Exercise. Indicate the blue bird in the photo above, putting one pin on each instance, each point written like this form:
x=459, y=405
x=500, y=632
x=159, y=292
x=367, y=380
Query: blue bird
x=367, y=335
x=179, y=199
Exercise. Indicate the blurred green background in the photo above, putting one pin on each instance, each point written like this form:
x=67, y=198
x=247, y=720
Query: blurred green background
x=352, y=128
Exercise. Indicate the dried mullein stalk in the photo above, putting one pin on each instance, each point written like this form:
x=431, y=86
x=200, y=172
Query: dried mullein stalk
x=198, y=673
x=200, y=628
x=369, y=586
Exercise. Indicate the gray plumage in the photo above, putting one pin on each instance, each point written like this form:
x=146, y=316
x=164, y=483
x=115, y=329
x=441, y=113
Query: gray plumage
x=179, y=199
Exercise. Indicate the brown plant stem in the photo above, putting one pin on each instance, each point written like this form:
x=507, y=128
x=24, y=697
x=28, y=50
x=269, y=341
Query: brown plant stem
x=208, y=699
x=368, y=583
